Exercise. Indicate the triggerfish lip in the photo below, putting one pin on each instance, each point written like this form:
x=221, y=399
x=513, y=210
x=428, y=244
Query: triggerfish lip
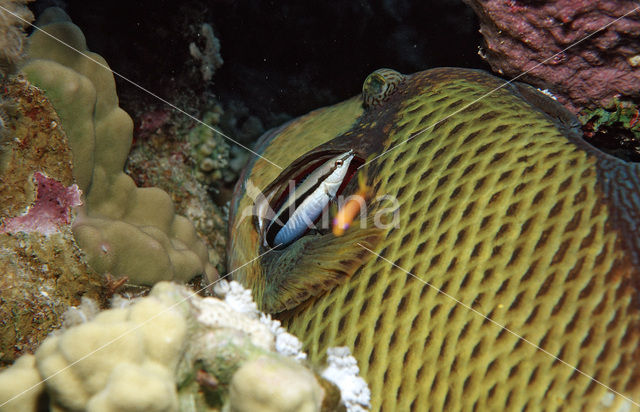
x=261, y=145
x=298, y=197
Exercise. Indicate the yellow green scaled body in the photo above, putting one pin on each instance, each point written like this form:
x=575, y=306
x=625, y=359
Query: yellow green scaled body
x=503, y=208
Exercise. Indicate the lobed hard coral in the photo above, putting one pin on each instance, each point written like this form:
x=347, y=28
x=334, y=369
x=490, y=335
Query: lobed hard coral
x=522, y=35
x=14, y=18
x=124, y=230
x=163, y=159
x=169, y=351
x=243, y=125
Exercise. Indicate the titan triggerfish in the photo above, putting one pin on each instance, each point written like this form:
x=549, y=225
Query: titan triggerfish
x=496, y=267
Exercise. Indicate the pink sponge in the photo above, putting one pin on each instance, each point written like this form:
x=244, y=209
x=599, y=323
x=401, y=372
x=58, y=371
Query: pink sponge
x=51, y=209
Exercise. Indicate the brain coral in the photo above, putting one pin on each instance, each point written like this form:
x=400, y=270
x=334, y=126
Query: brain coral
x=124, y=230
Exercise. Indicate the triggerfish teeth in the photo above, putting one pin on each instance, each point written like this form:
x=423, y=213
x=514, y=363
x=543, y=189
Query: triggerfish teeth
x=306, y=201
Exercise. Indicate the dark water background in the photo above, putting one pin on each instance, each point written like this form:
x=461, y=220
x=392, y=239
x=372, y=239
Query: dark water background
x=280, y=56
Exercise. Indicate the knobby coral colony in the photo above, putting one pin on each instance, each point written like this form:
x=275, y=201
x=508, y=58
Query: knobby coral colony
x=501, y=205
x=173, y=350
x=124, y=230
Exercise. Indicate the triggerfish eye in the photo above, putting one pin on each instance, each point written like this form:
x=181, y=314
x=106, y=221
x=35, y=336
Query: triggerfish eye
x=380, y=85
x=303, y=197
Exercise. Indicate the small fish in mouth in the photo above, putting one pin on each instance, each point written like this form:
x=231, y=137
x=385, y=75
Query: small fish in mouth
x=301, y=200
x=350, y=209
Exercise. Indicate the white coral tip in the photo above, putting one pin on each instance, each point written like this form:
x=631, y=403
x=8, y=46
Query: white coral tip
x=343, y=371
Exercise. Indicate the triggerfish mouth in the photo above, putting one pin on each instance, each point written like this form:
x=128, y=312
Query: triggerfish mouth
x=491, y=263
x=305, y=201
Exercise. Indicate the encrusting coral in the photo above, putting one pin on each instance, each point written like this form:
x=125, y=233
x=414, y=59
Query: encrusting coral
x=597, y=51
x=169, y=351
x=124, y=230
x=50, y=211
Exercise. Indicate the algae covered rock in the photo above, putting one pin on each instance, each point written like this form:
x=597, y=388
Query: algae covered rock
x=124, y=230
x=169, y=351
x=42, y=270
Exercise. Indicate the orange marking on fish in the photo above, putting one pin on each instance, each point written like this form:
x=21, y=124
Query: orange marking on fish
x=351, y=208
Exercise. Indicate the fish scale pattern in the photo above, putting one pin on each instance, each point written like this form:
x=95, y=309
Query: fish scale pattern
x=506, y=235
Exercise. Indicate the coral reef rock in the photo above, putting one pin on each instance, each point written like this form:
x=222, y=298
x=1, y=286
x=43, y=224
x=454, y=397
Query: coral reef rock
x=522, y=36
x=169, y=351
x=42, y=270
x=124, y=230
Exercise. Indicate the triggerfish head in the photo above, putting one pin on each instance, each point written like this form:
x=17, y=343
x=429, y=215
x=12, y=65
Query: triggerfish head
x=495, y=264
